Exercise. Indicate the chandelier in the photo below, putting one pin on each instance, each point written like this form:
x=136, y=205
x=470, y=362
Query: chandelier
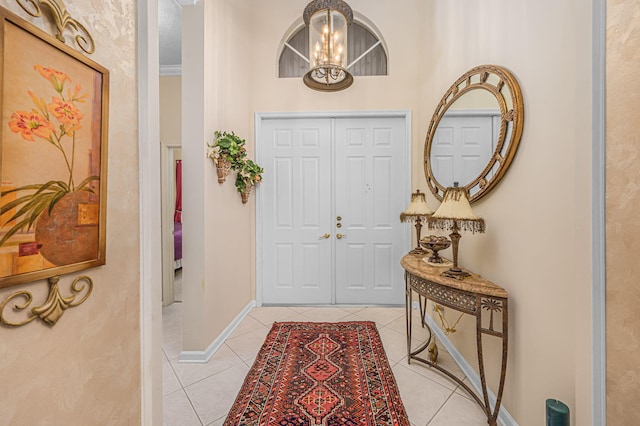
x=328, y=21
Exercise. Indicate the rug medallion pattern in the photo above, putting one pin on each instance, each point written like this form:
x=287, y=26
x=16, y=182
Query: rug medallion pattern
x=320, y=374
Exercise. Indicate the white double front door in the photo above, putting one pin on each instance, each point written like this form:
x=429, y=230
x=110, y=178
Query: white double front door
x=328, y=211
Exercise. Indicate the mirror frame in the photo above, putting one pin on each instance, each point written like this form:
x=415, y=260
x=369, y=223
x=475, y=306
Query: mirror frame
x=474, y=79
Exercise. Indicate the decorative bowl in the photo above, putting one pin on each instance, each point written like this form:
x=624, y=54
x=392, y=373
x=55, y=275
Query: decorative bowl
x=435, y=244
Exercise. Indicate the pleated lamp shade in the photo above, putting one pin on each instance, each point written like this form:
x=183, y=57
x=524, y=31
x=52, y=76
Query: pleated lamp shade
x=417, y=207
x=455, y=210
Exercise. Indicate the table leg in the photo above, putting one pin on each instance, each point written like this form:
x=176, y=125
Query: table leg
x=408, y=314
x=423, y=309
x=492, y=415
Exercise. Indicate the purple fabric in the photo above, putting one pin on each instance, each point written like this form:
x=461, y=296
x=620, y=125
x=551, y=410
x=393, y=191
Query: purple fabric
x=177, y=216
x=177, y=240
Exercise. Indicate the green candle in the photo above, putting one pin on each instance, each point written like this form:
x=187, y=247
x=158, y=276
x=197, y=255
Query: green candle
x=557, y=413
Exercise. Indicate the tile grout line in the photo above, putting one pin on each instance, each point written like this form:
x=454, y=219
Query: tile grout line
x=441, y=407
x=193, y=407
x=184, y=390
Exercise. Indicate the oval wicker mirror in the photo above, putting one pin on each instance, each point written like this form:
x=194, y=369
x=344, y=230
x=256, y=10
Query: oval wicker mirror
x=474, y=133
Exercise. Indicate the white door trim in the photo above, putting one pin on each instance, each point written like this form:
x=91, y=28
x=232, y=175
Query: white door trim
x=598, y=220
x=150, y=204
x=406, y=178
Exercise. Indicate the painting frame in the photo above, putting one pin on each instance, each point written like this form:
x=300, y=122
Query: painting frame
x=54, y=105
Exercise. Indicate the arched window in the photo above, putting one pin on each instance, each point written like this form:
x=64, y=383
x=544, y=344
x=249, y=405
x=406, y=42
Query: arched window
x=366, y=54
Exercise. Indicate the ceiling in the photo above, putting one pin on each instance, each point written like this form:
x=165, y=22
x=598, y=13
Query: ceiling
x=170, y=30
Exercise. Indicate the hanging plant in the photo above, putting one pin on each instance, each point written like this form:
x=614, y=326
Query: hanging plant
x=227, y=152
x=249, y=174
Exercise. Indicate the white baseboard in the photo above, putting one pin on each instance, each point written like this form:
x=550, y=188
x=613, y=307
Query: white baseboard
x=202, y=357
x=504, y=417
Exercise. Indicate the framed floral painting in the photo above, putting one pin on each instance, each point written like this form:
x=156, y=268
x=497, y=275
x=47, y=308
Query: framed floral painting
x=53, y=156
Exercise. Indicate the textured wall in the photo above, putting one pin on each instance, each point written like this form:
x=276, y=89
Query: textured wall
x=86, y=369
x=623, y=199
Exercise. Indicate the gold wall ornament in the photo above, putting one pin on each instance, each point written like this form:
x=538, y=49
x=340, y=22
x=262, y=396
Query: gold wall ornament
x=62, y=19
x=55, y=305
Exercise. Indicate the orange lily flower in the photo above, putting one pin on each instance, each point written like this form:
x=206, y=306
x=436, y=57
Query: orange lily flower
x=66, y=112
x=75, y=96
x=55, y=77
x=29, y=124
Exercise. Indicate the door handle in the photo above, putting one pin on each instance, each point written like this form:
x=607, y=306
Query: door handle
x=340, y=236
x=325, y=236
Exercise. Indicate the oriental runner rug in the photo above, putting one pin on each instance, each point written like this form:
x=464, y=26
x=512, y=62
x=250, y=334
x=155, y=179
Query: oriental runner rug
x=320, y=374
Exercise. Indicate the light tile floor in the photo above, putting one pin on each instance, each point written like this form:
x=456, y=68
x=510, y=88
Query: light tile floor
x=202, y=394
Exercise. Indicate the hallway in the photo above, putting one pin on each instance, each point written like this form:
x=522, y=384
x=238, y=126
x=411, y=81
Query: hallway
x=202, y=394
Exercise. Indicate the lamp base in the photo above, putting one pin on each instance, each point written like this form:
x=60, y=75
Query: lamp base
x=455, y=273
x=435, y=258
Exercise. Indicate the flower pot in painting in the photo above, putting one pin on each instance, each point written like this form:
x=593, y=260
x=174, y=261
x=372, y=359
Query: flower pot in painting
x=70, y=234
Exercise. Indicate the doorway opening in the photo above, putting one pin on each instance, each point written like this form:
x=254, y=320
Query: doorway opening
x=171, y=169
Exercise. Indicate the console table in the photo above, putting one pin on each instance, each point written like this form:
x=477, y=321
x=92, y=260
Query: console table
x=471, y=296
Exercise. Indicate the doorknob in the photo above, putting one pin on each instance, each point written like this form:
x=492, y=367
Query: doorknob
x=325, y=236
x=340, y=236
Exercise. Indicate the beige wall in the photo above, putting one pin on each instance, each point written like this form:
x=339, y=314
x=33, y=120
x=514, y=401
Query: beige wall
x=171, y=110
x=218, y=229
x=622, y=201
x=86, y=369
x=538, y=235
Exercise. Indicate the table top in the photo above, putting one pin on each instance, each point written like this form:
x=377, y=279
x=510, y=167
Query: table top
x=417, y=265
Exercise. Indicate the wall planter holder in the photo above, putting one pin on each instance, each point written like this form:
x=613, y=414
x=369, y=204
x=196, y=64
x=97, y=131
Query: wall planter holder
x=249, y=174
x=228, y=153
x=223, y=167
x=245, y=195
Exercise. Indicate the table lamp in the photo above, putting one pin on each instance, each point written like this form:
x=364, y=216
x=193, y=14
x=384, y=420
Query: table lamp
x=417, y=211
x=455, y=214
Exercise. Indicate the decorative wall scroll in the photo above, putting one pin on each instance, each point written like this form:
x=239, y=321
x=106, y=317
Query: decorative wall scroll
x=53, y=168
x=62, y=20
x=53, y=308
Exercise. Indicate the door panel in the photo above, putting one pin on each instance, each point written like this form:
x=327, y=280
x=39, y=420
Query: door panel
x=296, y=212
x=383, y=258
x=369, y=166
